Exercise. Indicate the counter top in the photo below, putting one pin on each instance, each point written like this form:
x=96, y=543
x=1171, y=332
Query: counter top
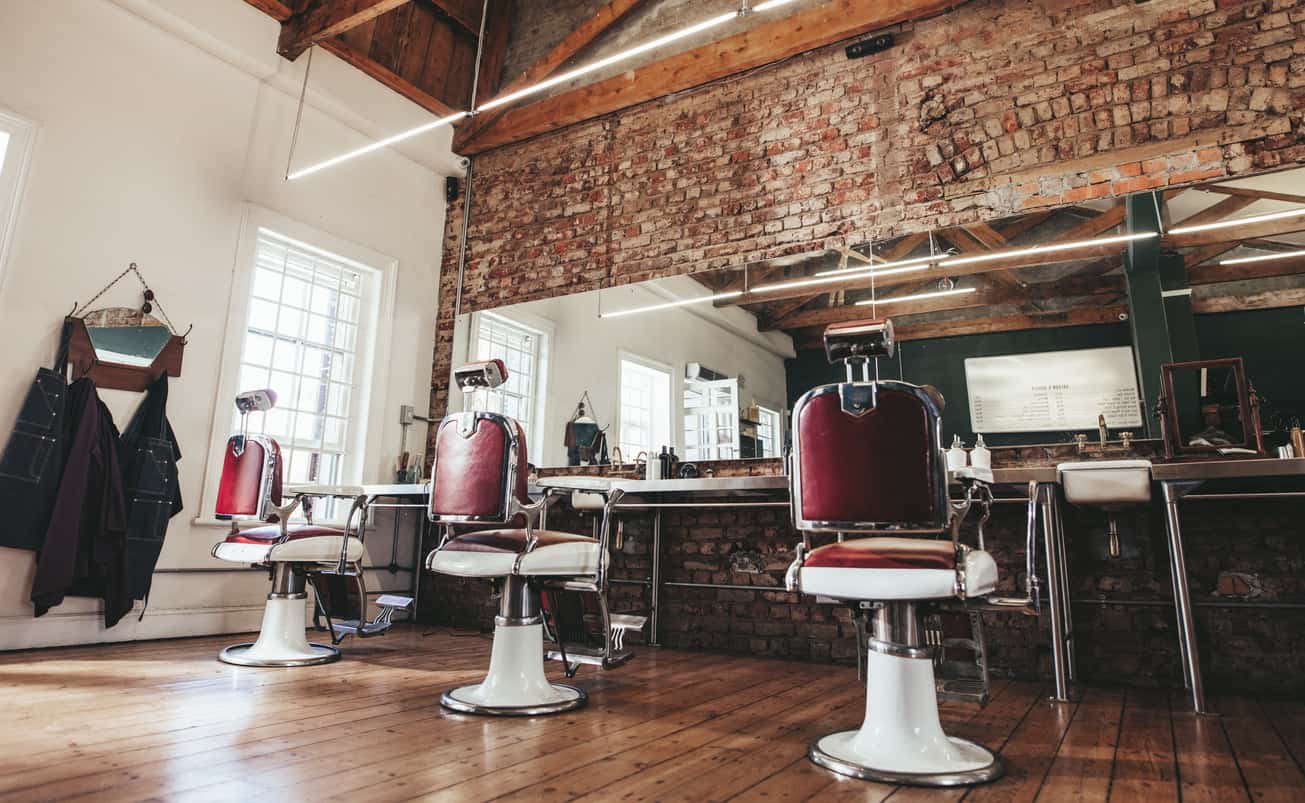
x=1197, y=470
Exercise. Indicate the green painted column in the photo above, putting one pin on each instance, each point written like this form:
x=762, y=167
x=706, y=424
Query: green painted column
x=1159, y=301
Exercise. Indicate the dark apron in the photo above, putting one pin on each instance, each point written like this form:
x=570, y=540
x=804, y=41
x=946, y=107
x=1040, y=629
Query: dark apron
x=32, y=461
x=149, y=455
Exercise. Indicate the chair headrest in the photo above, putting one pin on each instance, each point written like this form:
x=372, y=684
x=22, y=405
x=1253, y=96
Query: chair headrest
x=859, y=340
x=256, y=401
x=483, y=374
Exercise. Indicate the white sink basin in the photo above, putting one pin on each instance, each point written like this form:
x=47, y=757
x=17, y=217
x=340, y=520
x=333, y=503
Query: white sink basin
x=1106, y=483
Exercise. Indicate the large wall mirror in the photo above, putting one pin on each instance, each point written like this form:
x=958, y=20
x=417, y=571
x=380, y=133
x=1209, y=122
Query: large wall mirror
x=710, y=363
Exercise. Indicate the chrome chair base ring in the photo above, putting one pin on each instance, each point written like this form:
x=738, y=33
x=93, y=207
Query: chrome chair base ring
x=986, y=773
x=574, y=698
x=237, y=655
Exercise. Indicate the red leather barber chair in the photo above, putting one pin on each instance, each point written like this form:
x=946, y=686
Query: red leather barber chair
x=867, y=459
x=480, y=479
x=250, y=489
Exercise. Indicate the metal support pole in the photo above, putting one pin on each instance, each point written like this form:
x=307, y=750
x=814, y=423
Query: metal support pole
x=1059, y=663
x=655, y=593
x=1066, y=613
x=1183, y=597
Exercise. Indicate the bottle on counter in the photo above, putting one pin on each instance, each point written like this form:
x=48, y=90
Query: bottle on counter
x=665, y=460
x=673, y=465
x=957, y=458
x=980, y=455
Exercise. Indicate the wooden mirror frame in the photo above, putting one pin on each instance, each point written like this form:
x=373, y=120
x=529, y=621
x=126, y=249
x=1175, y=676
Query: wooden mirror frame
x=1248, y=411
x=115, y=376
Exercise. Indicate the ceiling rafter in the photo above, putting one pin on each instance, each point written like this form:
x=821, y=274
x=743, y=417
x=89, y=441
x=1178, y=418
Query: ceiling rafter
x=606, y=16
x=764, y=44
x=326, y=20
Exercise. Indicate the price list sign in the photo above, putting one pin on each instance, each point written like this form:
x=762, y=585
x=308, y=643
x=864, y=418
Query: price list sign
x=1053, y=391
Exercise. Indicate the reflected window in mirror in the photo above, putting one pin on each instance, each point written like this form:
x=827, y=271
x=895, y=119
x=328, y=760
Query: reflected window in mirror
x=308, y=312
x=711, y=420
x=645, y=413
x=770, y=432
x=522, y=349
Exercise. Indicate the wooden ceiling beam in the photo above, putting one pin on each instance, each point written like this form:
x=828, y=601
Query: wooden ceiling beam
x=1267, y=299
x=388, y=77
x=1218, y=274
x=1257, y=195
x=465, y=14
x=327, y=19
x=1221, y=210
x=764, y=44
x=273, y=8
x=1248, y=231
x=904, y=329
x=564, y=51
x=987, y=297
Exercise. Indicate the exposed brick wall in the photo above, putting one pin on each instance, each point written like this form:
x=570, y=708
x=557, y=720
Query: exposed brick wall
x=995, y=108
x=992, y=109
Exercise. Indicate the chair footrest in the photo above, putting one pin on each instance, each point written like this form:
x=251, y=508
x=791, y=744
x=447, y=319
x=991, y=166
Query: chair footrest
x=627, y=621
x=965, y=690
x=353, y=628
x=395, y=601
x=592, y=656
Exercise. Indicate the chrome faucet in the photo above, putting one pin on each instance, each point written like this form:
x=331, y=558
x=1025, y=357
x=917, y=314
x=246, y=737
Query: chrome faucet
x=1101, y=428
x=618, y=459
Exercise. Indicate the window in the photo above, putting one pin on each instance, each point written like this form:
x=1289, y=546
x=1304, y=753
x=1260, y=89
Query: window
x=310, y=313
x=711, y=420
x=770, y=431
x=645, y=408
x=16, y=135
x=522, y=349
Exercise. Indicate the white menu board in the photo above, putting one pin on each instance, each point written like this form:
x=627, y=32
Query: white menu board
x=1053, y=391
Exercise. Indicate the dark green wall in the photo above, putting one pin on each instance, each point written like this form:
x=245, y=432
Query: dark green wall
x=1271, y=341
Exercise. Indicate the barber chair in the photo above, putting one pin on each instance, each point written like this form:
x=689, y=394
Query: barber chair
x=867, y=459
x=480, y=477
x=294, y=554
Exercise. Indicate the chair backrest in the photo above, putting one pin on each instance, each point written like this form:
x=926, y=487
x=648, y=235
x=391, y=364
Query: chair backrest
x=250, y=485
x=480, y=463
x=480, y=457
x=867, y=455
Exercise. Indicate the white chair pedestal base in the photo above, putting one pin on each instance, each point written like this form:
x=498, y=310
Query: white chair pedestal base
x=515, y=685
x=901, y=740
x=282, y=640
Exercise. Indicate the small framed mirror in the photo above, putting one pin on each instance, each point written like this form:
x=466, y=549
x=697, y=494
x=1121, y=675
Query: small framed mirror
x=1208, y=408
x=123, y=348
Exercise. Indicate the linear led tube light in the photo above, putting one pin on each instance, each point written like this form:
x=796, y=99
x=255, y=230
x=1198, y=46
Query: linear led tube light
x=956, y=291
x=377, y=145
x=1264, y=258
x=1241, y=221
x=879, y=268
x=561, y=78
x=1046, y=249
x=681, y=303
x=836, y=276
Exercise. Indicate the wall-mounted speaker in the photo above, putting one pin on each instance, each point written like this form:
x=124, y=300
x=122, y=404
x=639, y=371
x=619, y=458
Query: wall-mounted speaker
x=868, y=47
x=451, y=188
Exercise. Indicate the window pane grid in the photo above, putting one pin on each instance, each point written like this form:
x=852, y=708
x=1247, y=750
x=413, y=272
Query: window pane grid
x=300, y=340
x=519, y=349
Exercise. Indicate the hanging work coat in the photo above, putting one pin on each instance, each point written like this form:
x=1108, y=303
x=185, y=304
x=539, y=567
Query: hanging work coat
x=32, y=461
x=149, y=454
x=85, y=548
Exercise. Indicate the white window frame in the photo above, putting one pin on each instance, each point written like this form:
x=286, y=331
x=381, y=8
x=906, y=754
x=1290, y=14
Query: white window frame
x=543, y=330
x=365, y=438
x=622, y=357
x=776, y=431
x=14, y=167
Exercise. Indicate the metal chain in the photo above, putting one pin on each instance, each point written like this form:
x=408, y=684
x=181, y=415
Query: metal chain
x=84, y=308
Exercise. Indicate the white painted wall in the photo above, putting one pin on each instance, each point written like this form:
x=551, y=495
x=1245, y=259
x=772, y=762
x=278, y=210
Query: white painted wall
x=586, y=349
x=159, y=122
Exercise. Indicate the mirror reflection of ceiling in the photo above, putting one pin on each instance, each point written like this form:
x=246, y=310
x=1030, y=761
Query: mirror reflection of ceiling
x=1037, y=290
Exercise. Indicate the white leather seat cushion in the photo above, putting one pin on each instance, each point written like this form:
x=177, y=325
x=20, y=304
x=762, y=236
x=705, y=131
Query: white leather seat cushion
x=320, y=549
x=886, y=584
x=495, y=553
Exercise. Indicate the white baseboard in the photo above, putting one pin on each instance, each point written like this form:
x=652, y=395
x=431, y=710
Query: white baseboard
x=87, y=627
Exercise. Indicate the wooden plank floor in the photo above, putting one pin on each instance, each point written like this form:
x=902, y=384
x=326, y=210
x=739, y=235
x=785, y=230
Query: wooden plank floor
x=166, y=721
